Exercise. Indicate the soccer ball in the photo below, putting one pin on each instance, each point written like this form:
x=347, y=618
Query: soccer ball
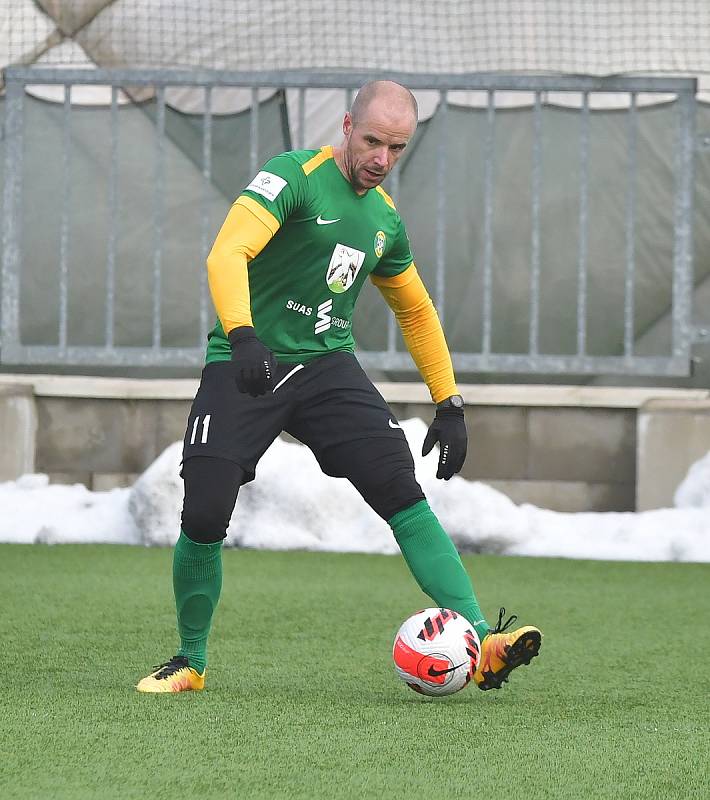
x=436, y=652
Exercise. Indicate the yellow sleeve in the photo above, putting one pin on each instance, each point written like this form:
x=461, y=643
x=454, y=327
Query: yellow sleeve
x=407, y=296
x=246, y=231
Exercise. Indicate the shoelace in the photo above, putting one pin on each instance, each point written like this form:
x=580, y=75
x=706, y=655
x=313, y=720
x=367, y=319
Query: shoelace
x=169, y=668
x=503, y=626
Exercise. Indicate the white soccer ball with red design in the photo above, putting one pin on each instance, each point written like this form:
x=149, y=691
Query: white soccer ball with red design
x=436, y=651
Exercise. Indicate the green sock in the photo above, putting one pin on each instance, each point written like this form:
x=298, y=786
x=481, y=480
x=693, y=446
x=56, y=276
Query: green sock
x=197, y=581
x=435, y=563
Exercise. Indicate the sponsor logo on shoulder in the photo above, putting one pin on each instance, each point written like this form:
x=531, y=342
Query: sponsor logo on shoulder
x=267, y=185
x=343, y=268
x=380, y=241
x=321, y=221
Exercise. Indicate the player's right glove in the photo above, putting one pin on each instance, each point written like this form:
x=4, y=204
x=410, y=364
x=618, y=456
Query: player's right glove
x=254, y=364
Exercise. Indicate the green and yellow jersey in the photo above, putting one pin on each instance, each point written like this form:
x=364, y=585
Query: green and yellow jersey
x=293, y=254
x=325, y=242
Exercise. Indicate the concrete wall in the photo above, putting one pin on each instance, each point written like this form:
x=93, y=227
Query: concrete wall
x=559, y=447
x=673, y=434
x=104, y=442
x=18, y=429
x=567, y=459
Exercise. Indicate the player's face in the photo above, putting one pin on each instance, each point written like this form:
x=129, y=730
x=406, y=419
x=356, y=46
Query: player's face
x=374, y=145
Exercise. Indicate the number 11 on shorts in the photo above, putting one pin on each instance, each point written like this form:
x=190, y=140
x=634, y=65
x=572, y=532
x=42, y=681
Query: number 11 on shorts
x=205, y=429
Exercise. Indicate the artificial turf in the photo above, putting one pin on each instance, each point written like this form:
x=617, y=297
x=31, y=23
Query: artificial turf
x=302, y=701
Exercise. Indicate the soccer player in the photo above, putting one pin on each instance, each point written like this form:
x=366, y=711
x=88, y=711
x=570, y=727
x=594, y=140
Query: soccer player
x=284, y=273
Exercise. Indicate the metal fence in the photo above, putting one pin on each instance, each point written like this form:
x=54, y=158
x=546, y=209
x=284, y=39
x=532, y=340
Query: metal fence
x=110, y=353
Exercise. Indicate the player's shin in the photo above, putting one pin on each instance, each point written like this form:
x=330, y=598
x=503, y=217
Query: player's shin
x=197, y=582
x=435, y=563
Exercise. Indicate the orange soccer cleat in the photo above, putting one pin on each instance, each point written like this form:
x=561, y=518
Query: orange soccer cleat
x=502, y=652
x=175, y=675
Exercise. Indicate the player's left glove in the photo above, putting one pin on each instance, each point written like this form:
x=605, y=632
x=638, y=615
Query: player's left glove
x=449, y=430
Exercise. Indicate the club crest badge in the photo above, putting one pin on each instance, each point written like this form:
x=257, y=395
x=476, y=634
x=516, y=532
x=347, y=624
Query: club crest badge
x=344, y=266
x=380, y=241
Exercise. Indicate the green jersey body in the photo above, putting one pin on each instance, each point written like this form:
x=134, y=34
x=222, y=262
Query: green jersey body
x=304, y=284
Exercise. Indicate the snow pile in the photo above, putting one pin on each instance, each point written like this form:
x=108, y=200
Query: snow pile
x=34, y=511
x=155, y=499
x=694, y=490
x=292, y=505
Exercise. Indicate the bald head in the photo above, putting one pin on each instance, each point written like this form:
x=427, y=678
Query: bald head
x=386, y=93
x=376, y=130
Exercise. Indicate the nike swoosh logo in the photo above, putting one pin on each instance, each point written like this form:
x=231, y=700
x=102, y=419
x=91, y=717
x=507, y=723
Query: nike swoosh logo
x=437, y=673
x=322, y=221
x=394, y=424
x=287, y=376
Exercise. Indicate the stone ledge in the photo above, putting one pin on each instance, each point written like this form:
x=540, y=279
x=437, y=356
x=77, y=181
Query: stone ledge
x=481, y=395
x=96, y=388
x=682, y=405
x=540, y=396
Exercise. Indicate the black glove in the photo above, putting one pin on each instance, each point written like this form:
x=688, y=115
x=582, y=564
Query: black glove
x=449, y=430
x=254, y=364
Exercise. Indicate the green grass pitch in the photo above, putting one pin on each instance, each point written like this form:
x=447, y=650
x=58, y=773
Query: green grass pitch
x=302, y=700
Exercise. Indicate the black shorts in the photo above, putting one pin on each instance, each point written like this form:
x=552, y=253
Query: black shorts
x=325, y=404
x=330, y=405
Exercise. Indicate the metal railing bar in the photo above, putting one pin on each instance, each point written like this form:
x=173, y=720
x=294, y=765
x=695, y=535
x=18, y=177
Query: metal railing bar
x=109, y=310
x=582, y=253
x=682, y=224
x=553, y=365
x=64, y=220
x=254, y=132
x=469, y=362
x=489, y=157
x=442, y=159
x=630, y=267
x=391, y=322
x=534, y=324
x=301, y=118
x=205, y=206
x=12, y=218
x=353, y=80
x=158, y=215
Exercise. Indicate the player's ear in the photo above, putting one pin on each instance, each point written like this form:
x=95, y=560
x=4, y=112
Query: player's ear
x=347, y=123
